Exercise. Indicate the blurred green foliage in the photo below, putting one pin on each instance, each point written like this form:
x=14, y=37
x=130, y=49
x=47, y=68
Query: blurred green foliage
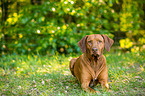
x=48, y=26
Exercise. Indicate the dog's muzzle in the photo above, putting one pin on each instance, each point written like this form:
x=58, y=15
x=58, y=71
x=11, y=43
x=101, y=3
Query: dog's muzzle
x=95, y=52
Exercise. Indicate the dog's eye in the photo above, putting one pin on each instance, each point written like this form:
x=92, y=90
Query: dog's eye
x=89, y=41
x=100, y=41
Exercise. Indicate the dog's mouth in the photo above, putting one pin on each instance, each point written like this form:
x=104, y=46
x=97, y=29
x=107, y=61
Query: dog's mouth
x=95, y=55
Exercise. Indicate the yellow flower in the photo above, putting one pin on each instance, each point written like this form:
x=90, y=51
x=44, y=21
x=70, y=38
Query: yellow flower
x=73, y=12
x=125, y=43
x=16, y=42
x=81, y=14
x=82, y=24
x=2, y=72
x=66, y=46
x=129, y=44
x=20, y=35
x=61, y=49
x=122, y=45
x=9, y=20
x=50, y=39
x=64, y=27
x=142, y=69
x=88, y=4
x=15, y=14
x=135, y=49
x=142, y=40
x=43, y=18
x=122, y=41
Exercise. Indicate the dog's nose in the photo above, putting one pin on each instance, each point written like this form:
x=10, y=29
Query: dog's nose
x=94, y=49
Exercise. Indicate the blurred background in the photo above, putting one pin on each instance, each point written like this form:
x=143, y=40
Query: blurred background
x=49, y=26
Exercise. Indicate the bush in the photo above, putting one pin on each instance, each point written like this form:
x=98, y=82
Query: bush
x=58, y=25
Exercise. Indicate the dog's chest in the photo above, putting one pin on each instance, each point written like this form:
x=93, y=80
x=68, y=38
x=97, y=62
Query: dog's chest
x=95, y=65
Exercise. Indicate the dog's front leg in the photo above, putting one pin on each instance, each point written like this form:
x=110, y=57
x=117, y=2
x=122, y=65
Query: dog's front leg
x=85, y=87
x=105, y=83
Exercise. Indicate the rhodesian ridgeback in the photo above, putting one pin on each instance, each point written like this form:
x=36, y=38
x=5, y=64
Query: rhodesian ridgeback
x=90, y=68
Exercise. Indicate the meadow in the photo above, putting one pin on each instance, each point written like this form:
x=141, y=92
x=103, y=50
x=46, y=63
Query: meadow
x=31, y=75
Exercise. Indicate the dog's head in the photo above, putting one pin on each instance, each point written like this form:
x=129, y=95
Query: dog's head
x=94, y=44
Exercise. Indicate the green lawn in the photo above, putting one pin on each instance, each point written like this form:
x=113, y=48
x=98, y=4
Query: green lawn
x=50, y=75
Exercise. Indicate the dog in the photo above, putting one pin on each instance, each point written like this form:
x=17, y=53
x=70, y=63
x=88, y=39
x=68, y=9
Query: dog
x=90, y=68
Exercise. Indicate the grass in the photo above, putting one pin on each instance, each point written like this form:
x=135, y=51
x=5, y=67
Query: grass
x=50, y=75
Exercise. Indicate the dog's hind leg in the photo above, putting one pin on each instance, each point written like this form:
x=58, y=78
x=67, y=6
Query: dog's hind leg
x=71, y=65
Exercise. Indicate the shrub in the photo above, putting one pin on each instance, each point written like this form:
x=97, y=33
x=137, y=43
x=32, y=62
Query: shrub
x=58, y=25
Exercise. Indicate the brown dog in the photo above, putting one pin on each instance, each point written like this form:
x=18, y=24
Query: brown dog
x=91, y=68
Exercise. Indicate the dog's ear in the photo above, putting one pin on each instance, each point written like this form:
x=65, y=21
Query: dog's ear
x=108, y=42
x=82, y=44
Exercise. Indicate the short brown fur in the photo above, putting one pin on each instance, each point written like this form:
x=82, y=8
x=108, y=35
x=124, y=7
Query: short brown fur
x=90, y=68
